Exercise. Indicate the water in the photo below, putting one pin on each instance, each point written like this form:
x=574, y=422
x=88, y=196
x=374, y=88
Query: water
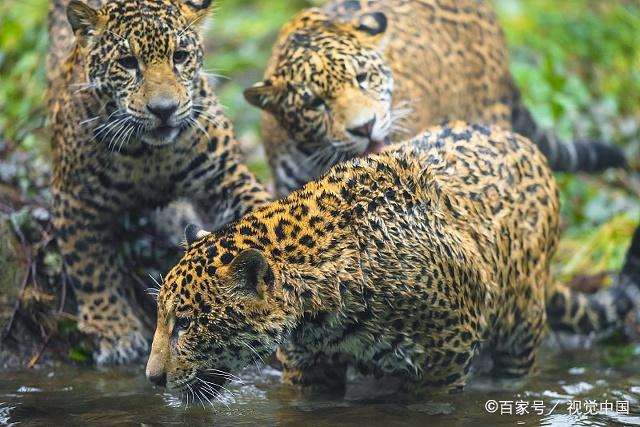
x=121, y=396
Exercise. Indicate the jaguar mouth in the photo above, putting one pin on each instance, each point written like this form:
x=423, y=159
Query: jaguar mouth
x=161, y=135
x=376, y=146
x=163, y=131
x=209, y=384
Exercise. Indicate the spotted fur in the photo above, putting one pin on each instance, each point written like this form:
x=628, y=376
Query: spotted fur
x=407, y=263
x=135, y=126
x=345, y=79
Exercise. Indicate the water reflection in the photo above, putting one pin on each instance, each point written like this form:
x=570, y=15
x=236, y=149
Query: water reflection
x=80, y=396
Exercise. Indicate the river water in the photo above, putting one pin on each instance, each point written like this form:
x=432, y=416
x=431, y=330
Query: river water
x=605, y=382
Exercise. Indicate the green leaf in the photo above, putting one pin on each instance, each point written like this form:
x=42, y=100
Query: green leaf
x=80, y=355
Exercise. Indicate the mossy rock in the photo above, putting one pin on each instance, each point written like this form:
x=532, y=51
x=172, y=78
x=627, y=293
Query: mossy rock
x=13, y=265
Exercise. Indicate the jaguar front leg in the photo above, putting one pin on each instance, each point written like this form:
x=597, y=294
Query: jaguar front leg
x=222, y=186
x=311, y=373
x=228, y=195
x=106, y=306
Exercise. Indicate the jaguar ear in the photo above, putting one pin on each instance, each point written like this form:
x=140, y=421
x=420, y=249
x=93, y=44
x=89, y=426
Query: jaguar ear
x=262, y=95
x=193, y=233
x=196, y=10
x=84, y=21
x=250, y=273
x=307, y=18
x=372, y=27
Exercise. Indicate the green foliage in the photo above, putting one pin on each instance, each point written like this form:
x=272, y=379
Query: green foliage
x=80, y=354
x=617, y=353
x=23, y=43
x=81, y=351
x=577, y=64
x=570, y=55
x=240, y=40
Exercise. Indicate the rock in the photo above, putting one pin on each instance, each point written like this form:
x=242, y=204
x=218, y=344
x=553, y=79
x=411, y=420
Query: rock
x=632, y=326
x=13, y=265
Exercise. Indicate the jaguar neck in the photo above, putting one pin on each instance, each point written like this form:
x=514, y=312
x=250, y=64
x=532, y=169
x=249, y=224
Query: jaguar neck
x=308, y=240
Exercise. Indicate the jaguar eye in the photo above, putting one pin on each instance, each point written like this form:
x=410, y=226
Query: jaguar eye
x=128, y=62
x=180, y=56
x=316, y=102
x=181, y=324
x=361, y=78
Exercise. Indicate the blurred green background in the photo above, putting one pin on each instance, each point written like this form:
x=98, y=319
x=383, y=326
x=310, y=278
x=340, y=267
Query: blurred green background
x=577, y=63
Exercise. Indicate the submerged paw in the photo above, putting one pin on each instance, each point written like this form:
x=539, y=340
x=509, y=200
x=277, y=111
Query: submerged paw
x=124, y=350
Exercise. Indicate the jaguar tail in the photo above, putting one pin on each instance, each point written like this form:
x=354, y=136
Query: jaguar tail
x=571, y=156
x=60, y=37
x=603, y=312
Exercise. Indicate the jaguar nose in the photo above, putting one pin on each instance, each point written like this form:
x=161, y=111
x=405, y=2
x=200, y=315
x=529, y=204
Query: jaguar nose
x=162, y=109
x=365, y=130
x=159, y=380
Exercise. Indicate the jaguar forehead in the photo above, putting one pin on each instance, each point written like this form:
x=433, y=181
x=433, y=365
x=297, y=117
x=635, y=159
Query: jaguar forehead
x=157, y=19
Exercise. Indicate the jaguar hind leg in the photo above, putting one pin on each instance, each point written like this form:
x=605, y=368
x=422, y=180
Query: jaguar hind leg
x=515, y=354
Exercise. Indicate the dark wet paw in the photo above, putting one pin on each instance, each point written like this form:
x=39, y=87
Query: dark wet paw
x=123, y=350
